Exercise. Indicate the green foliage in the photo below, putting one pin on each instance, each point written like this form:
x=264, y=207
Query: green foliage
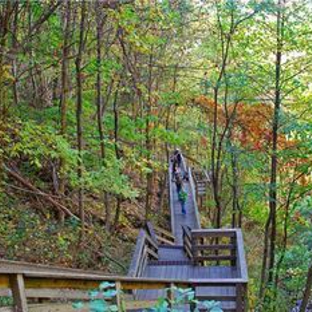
x=39, y=144
x=100, y=299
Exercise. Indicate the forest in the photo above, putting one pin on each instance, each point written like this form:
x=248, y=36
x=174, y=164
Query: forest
x=96, y=95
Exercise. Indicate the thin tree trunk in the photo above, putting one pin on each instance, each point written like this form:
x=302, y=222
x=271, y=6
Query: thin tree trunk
x=274, y=160
x=78, y=62
x=149, y=177
x=64, y=90
x=117, y=152
x=4, y=28
x=99, y=104
x=14, y=46
x=263, y=277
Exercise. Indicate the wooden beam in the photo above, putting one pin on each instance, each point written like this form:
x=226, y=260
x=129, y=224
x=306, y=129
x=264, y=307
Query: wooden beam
x=18, y=292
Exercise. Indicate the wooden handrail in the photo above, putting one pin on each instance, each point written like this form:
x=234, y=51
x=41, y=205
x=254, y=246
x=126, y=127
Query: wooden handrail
x=146, y=248
x=160, y=235
x=32, y=280
x=193, y=191
x=72, y=281
x=151, y=231
x=171, y=201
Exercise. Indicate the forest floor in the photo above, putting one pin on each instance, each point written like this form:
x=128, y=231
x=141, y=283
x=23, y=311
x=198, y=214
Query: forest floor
x=29, y=233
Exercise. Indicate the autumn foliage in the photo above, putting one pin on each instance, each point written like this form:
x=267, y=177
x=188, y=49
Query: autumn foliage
x=250, y=122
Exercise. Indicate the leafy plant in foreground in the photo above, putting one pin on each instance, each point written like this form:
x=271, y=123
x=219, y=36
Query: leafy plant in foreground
x=104, y=298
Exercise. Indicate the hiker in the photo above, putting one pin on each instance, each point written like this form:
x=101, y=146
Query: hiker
x=176, y=160
x=182, y=199
x=177, y=157
x=178, y=179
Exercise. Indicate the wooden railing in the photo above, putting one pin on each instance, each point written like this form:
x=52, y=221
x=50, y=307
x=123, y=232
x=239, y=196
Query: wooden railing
x=194, y=197
x=220, y=247
x=27, y=285
x=146, y=249
x=216, y=245
x=160, y=235
x=171, y=201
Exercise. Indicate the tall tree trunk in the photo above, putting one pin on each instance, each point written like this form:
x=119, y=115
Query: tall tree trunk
x=14, y=46
x=274, y=160
x=78, y=63
x=263, y=277
x=5, y=16
x=99, y=104
x=148, y=142
x=64, y=89
x=117, y=152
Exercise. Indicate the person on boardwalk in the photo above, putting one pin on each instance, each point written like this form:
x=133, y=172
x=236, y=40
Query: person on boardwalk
x=182, y=199
x=176, y=160
x=178, y=179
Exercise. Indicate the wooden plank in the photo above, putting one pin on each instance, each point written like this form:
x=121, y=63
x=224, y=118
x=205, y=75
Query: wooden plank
x=164, y=240
x=213, y=233
x=215, y=247
x=64, y=294
x=188, y=251
x=213, y=258
x=10, y=266
x=151, y=242
x=70, y=281
x=18, y=292
x=163, y=231
x=152, y=253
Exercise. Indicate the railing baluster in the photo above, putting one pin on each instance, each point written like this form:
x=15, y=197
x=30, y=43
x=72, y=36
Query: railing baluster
x=118, y=296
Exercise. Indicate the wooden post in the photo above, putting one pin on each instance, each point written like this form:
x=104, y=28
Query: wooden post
x=202, y=253
x=193, y=304
x=118, y=296
x=245, y=298
x=170, y=295
x=233, y=251
x=18, y=292
x=239, y=298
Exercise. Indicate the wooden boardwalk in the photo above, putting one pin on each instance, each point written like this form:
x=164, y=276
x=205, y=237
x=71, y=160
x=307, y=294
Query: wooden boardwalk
x=191, y=218
x=202, y=255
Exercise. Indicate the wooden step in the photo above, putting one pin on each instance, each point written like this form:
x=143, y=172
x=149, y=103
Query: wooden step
x=170, y=262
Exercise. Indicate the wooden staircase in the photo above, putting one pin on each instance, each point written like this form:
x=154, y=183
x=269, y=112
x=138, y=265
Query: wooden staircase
x=213, y=259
